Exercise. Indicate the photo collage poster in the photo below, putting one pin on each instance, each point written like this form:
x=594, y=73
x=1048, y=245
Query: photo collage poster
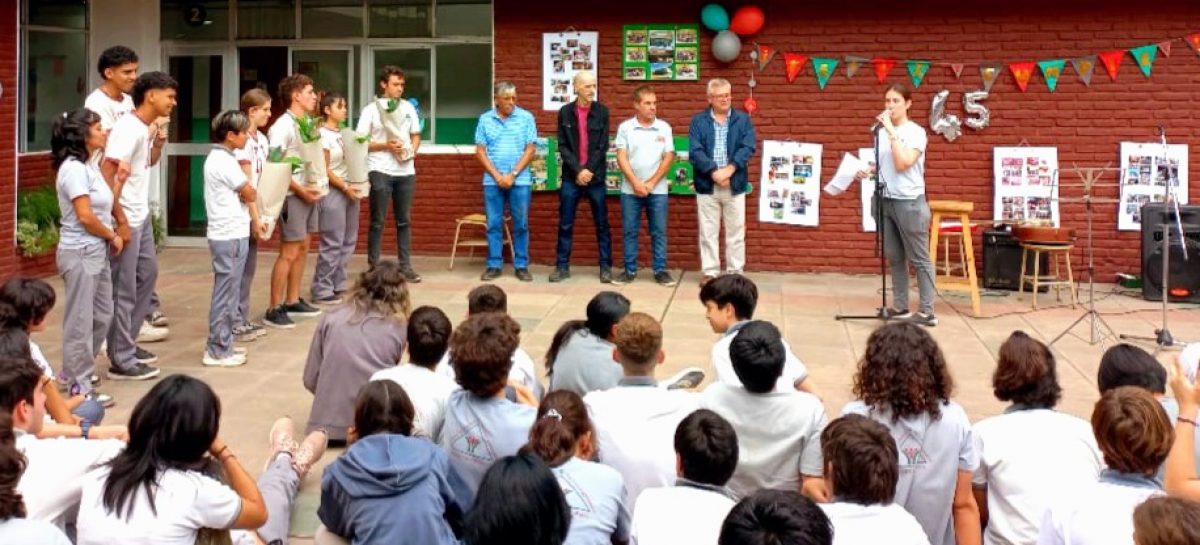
x=564, y=54
x=791, y=183
x=547, y=165
x=1026, y=185
x=1144, y=176
x=867, y=190
x=661, y=52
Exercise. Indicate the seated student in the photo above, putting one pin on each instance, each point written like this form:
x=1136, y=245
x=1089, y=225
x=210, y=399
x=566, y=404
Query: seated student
x=151, y=493
x=352, y=342
x=519, y=502
x=1030, y=452
x=51, y=483
x=15, y=529
x=481, y=425
x=635, y=421
x=778, y=430
x=288, y=462
x=580, y=356
x=691, y=511
x=1181, y=479
x=1166, y=521
x=902, y=382
x=490, y=298
x=861, y=470
x=562, y=436
x=776, y=517
x=1135, y=436
x=389, y=487
x=428, y=337
x=729, y=302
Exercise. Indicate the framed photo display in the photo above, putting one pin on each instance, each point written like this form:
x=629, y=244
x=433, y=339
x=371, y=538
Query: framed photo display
x=660, y=52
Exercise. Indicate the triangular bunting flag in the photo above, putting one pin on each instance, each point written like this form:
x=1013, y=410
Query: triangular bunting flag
x=1112, y=62
x=1144, y=57
x=1194, y=41
x=765, y=54
x=823, y=69
x=1021, y=72
x=853, y=63
x=793, y=63
x=1051, y=71
x=1084, y=67
x=882, y=67
x=989, y=71
x=957, y=68
x=1165, y=47
x=917, y=71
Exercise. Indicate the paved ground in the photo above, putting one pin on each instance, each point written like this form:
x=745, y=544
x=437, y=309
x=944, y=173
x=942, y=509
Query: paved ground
x=803, y=305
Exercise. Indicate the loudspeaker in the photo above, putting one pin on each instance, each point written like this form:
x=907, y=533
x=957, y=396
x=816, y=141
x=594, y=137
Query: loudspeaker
x=1002, y=261
x=1184, y=275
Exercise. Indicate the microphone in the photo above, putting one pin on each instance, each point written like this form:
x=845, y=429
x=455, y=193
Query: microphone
x=875, y=127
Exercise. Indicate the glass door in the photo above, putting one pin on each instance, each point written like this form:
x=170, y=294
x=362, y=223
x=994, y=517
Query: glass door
x=332, y=69
x=206, y=87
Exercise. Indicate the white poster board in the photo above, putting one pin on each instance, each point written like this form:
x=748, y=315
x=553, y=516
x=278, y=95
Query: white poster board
x=1025, y=185
x=791, y=183
x=867, y=190
x=564, y=54
x=1144, y=175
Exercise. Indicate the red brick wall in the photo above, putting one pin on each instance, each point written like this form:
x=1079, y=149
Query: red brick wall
x=8, y=128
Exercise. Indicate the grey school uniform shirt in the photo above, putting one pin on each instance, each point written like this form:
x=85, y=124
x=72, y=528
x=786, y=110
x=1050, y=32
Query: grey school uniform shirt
x=477, y=431
x=584, y=364
x=932, y=452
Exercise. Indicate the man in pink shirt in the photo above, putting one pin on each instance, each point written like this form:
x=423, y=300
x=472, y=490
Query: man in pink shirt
x=583, y=145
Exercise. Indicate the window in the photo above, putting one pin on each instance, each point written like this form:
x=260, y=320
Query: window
x=266, y=19
x=332, y=18
x=400, y=18
x=54, y=66
x=450, y=97
x=464, y=18
x=194, y=20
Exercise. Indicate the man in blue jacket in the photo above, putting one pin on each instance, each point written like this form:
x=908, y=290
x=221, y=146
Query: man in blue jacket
x=721, y=145
x=583, y=144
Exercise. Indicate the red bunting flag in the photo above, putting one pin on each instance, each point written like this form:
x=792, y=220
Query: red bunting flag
x=957, y=68
x=1194, y=41
x=1165, y=47
x=882, y=67
x=1112, y=62
x=1021, y=72
x=793, y=63
x=765, y=54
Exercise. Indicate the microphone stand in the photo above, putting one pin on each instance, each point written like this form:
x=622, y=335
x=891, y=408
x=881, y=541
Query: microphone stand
x=877, y=211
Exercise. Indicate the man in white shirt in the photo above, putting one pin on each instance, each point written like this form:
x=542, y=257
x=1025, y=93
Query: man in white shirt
x=395, y=131
x=134, y=145
x=645, y=151
x=636, y=420
x=51, y=484
x=861, y=470
x=428, y=337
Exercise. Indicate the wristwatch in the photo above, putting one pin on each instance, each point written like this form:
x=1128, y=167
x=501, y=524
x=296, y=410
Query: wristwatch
x=85, y=427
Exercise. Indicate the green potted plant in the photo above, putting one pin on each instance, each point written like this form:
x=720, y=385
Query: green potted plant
x=37, y=220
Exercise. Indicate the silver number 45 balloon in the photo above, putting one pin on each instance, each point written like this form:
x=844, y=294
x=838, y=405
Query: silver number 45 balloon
x=949, y=125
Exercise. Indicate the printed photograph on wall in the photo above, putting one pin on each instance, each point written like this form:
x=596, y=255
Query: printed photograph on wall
x=661, y=52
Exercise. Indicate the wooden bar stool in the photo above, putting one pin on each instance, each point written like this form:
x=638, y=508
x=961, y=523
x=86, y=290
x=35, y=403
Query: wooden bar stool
x=477, y=220
x=1057, y=253
x=968, y=282
x=951, y=235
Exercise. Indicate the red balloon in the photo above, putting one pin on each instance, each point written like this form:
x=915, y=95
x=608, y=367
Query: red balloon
x=747, y=20
x=750, y=105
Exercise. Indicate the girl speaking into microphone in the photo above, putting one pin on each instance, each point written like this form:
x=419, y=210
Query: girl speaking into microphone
x=905, y=214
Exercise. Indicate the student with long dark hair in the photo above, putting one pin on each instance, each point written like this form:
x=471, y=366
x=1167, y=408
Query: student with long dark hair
x=580, y=356
x=337, y=211
x=153, y=491
x=902, y=382
x=15, y=528
x=563, y=437
x=519, y=501
x=390, y=487
x=86, y=238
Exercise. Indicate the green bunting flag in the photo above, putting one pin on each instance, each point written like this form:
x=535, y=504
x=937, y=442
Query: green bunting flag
x=917, y=71
x=1051, y=71
x=823, y=68
x=1144, y=57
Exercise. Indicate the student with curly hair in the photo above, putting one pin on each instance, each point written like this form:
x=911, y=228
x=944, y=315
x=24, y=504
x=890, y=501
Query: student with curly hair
x=1031, y=451
x=902, y=382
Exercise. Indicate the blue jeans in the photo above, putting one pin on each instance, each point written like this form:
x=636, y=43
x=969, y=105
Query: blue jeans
x=656, y=215
x=90, y=410
x=568, y=202
x=517, y=198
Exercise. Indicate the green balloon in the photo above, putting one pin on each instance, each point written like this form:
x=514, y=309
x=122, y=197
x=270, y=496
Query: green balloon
x=714, y=17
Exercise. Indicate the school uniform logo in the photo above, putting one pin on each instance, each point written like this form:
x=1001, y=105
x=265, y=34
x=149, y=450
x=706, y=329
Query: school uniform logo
x=912, y=452
x=577, y=499
x=472, y=444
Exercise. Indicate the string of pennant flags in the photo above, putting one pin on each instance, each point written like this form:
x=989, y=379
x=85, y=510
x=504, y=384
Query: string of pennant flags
x=1052, y=70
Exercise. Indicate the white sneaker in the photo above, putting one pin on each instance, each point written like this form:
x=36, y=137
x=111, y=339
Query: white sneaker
x=234, y=360
x=151, y=334
x=239, y=350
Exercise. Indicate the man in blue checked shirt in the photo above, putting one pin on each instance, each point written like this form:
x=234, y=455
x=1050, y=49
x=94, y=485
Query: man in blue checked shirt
x=504, y=143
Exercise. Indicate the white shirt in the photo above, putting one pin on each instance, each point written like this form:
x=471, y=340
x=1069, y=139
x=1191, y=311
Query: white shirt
x=331, y=141
x=793, y=369
x=108, y=109
x=370, y=122
x=676, y=515
x=228, y=216
x=778, y=434
x=910, y=183
x=254, y=153
x=855, y=524
x=130, y=142
x=635, y=430
x=1026, y=457
x=52, y=481
x=1098, y=514
x=428, y=392
x=644, y=146
x=20, y=531
x=183, y=500
x=40, y=359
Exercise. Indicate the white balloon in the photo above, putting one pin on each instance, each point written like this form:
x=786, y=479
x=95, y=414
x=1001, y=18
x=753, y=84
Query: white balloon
x=726, y=46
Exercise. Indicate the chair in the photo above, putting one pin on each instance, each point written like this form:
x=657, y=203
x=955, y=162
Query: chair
x=1057, y=253
x=477, y=220
x=968, y=282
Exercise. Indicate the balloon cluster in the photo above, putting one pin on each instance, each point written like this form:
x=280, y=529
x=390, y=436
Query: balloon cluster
x=727, y=45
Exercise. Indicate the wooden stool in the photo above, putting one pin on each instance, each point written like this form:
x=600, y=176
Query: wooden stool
x=968, y=282
x=1056, y=252
x=477, y=220
x=951, y=233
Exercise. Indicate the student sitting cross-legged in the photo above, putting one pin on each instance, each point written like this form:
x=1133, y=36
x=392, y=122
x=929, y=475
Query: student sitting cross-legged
x=428, y=340
x=776, y=517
